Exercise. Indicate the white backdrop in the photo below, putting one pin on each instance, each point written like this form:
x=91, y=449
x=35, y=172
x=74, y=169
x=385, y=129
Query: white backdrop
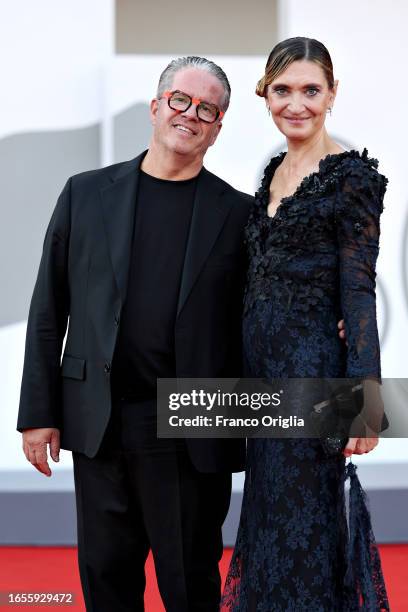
x=60, y=72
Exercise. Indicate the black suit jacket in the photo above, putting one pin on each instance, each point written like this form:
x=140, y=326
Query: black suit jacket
x=82, y=282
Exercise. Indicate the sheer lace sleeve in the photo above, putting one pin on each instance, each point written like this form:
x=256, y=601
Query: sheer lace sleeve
x=359, y=204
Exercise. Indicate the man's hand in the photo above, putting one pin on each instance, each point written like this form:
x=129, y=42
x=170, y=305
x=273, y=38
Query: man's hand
x=35, y=447
x=342, y=330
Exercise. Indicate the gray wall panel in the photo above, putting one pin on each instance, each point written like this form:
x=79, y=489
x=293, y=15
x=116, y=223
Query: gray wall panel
x=34, y=169
x=48, y=518
x=132, y=130
x=180, y=28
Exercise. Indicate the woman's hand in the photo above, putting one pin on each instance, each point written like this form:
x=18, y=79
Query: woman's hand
x=342, y=330
x=367, y=424
x=359, y=446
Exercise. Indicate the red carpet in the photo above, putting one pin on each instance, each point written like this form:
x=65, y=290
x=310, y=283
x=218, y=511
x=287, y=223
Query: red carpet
x=54, y=569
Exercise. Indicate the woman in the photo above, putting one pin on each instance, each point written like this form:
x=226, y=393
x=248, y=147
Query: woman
x=313, y=243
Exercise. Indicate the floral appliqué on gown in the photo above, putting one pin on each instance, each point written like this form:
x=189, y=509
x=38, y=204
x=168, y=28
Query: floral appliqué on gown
x=310, y=265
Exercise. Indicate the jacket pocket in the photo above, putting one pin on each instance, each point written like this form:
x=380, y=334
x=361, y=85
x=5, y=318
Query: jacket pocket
x=72, y=367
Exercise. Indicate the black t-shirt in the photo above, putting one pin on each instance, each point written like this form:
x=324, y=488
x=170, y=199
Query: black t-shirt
x=145, y=347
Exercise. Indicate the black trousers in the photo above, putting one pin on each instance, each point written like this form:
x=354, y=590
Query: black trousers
x=141, y=493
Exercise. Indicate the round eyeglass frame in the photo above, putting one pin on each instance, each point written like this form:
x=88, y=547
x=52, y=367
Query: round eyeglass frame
x=196, y=101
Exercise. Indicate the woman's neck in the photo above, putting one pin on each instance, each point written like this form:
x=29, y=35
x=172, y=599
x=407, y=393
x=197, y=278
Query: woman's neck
x=305, y=154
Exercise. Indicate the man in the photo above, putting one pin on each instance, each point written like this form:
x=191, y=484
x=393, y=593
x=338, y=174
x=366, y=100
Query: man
x=145, y=261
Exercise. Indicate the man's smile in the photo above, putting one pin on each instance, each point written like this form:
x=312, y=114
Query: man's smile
x=184, y=128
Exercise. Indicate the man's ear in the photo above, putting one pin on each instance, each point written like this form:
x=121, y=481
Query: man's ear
x=154, y=107
x=216, y=132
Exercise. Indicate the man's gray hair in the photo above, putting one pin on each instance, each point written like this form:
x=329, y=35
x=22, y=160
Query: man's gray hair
x=193, y=61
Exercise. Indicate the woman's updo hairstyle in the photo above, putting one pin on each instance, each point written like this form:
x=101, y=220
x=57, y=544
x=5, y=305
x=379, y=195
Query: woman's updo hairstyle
x=291, y=50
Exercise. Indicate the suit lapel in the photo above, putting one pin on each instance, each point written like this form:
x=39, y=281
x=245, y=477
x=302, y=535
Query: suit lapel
x=118, y=205
x=210, y=211
x=209, y=214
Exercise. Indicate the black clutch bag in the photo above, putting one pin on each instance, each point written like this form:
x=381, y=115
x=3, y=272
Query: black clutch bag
x=332, y=418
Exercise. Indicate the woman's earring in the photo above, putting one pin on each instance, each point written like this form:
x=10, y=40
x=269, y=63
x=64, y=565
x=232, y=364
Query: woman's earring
x=329, y=110
x=269, y=110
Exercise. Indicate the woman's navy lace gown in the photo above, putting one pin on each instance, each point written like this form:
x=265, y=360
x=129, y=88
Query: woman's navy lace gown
x=310, y=265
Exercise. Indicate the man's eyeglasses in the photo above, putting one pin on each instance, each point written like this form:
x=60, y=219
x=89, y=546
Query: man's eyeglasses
x=180, y=101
